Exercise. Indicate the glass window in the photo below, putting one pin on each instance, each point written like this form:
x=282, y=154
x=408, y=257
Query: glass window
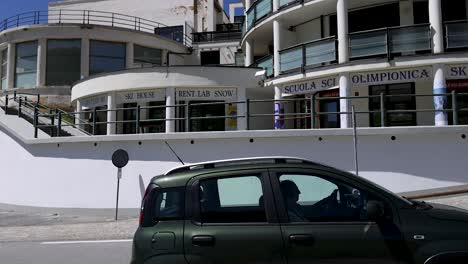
x=63, y=62
x=168, y=204
x=232, y=200
x=399, y=101
x=314, y=199
x=106, y=57
x=26, y=64
x=4, y=66
x=175, y=33
x=144, y=55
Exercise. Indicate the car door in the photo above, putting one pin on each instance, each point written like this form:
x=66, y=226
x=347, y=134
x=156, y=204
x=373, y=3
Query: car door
x=233, y=220
x=323, y=218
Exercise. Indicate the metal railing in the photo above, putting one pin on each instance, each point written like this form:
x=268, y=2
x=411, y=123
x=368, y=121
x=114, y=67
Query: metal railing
x=456, y=34
x=267, y=64
x=390, y=41
x=309, y=55
x=285, y=3
x=257, y=11
x=186, y=120
x=88, y=17
x=217, y=36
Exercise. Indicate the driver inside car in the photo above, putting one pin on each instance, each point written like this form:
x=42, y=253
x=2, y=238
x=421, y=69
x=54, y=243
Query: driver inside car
x=291, y=196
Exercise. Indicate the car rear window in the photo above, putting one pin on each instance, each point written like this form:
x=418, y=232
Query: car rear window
x=164, y=205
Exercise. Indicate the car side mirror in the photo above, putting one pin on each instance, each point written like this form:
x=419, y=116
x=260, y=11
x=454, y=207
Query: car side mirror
x=375, y=210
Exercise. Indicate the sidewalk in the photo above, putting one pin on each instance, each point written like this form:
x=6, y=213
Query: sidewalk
x=22, y=223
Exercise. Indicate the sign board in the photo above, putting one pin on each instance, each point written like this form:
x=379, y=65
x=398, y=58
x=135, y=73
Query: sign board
x=310, y=86
x=120, y=158
x=141, y=96
x=453, y=72
x=208, y=94
x=392, y=76
x=93, y=102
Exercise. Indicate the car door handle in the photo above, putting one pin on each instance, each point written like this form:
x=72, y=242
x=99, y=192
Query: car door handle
x=203, y=241
x=302, y=239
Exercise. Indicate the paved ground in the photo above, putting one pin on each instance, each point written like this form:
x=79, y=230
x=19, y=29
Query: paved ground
x=106, y=252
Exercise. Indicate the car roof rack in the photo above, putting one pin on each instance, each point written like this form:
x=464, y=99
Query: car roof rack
x=240, y=161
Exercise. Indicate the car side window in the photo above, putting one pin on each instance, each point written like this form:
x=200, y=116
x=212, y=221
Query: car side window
x=168, y=204
x=310, y=198
x=232, y=200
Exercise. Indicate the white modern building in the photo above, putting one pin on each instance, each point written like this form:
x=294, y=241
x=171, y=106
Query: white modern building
x=88, y=77
x=358, y=50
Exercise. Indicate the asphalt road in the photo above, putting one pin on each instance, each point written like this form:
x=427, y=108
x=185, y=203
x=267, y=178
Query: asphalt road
x=74, y=252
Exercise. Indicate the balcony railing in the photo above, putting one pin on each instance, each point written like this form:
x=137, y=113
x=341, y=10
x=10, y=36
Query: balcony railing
x=258, y=10
x=89, y=17
x=267, y=64
x=390, y=41
x=229, y=27
x=216, y=36
x=456, y=34
x=308, y=55
x=285, y=3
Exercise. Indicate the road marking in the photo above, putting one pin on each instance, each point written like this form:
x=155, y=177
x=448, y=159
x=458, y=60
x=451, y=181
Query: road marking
x=85, y=242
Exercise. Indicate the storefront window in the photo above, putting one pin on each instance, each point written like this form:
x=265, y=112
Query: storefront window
x=63, y=62
x=150, y=56
x=152, y=126
x=106, y=57
x=328, y=106
x=4, y=68
x=26, y=64
x=397, y=102
x=461, y=88
x=209, y=110
x=129, y=118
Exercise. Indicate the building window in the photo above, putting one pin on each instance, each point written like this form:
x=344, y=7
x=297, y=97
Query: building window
x=4, y=68
x=461, y=88
x=175, y=33
x=399, y=101
x=26, y=64
x=106, y=57
x=63, y=62
x=210, y=57
x=147, y=56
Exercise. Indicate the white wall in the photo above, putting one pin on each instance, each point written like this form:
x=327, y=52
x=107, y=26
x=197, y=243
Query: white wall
x=172, y=13
x=63, y=173
x=309, y=31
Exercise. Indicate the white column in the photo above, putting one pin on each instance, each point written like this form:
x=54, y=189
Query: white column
x=170, y=111
x=241, y=109
x=211, y=15
x=345, y=104
x=279, y=109
x=276, y=5
x=41, y=62
x=248, y=3
x=440, y=102
x=79, y=118
x=342, y=24
x=84, y=58
x=129, y=57
x=10, y=80
x=276, y=47
x=435, y=18
x=111, y=115
x=249, y=52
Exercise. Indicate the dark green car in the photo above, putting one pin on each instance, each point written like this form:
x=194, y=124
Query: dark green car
x=289, y=210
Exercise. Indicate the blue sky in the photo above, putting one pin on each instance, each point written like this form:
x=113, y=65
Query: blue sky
x=13, y=7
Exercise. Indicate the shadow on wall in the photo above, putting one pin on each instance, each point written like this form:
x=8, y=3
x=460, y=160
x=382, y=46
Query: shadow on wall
x=440, y=157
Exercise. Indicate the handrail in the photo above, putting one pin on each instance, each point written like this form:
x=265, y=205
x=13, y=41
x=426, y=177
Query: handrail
x=312, y=114
x=87, y=17
x=308, y=43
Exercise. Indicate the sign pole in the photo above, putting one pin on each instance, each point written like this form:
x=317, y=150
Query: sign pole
x=119, y=176
x=355, y=141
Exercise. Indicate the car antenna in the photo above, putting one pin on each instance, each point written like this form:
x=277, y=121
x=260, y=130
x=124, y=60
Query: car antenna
x=175, y=153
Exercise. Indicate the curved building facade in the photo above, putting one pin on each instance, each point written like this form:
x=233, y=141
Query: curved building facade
x=399, y=63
